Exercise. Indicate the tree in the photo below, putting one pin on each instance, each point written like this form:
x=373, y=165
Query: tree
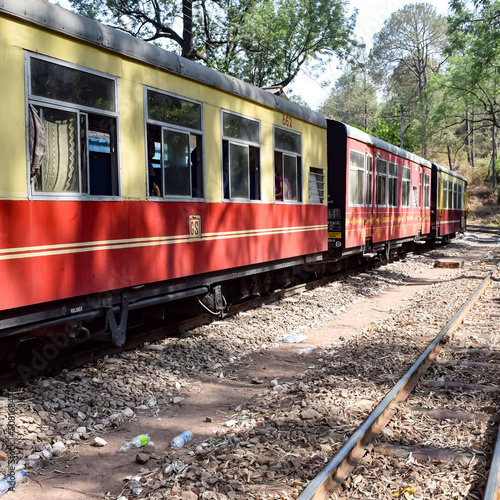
x=263, y=42
x=473, y=74
x=354, y=97
x=410, y=44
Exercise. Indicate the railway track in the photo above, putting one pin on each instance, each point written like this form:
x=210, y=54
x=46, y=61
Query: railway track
x=461, y=365
x=90, y=351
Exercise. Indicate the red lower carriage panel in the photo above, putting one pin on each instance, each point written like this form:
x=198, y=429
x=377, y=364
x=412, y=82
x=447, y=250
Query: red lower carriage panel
x=382, y=224
x=52, y=250
x=451, y=222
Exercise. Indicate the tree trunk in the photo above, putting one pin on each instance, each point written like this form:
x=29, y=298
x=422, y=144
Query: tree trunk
x=494, y=157
x=187, y=32
x=401, y=127
x=449, y=157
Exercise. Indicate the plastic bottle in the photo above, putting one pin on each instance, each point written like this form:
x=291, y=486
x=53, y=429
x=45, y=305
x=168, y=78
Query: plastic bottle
x=138, y=442
x=180, y=440
x=5, y=483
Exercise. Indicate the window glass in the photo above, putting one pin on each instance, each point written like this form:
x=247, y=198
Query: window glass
x=174, y=146
x=393, y=185
x=239, y=168
x=381, y=179
x=176, y=163
x=405, y=187
x=287, y=141
x=242, y=128
x=76, y=130
x=59, y=172
x=450, y=194
x=62, y=83
x=356, y=177
x=427, y=190
x=173, y=110
x=240, y=157
x=290, y=175
x=369, y=180
x=288, y=168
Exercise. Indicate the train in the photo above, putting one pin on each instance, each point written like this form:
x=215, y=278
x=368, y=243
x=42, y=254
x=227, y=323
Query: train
x=133, y=180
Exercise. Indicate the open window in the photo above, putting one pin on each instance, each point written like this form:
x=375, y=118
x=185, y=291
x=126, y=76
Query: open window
x=240, y=157
x=287, y=165
x=73, y=130
x=174, y=146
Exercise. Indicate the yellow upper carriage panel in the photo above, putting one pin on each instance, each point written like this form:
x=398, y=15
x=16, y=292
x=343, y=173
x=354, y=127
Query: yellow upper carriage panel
x=35, y=30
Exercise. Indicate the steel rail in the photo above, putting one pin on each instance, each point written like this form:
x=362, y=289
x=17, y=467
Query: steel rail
x=338, y=469
x=492, y=491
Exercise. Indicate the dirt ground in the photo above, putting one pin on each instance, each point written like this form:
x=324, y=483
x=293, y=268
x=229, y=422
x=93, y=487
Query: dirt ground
x=89, y=472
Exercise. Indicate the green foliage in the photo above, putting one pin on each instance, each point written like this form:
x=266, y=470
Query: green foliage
x=390, y=132
x=263, y=42
x=354, y=98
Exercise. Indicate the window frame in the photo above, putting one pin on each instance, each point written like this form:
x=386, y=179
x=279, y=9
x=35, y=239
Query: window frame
x=179, y=129
x=385, y=176
x=394, y=187
x=404, y=182
x=427, y=191
x=357, y=170
x=299, y=165
x=369, y=180
x=248, y=144
x=79, y=110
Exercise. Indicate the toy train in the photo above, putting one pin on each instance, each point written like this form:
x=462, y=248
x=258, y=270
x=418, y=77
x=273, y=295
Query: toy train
x=132, y=178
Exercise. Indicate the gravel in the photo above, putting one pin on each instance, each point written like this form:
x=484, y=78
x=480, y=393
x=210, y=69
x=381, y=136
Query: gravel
x=275, y=448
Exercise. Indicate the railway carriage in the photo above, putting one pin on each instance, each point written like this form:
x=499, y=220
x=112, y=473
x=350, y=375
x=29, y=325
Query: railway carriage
x=451, y=202
x=379, y=195
x=132, y=177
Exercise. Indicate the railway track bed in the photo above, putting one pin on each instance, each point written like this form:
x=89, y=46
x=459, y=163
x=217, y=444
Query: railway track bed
x=268, y=432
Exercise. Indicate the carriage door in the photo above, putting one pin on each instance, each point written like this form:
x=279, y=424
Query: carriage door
x=370, y=216
x=421, y=200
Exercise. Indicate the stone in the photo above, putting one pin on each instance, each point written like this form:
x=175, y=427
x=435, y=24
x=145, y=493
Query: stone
x=142, y=458
x=100, y=442
x=149, y=448
x=310, y=414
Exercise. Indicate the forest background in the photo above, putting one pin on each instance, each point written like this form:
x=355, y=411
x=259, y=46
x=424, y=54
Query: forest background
x=430, y=82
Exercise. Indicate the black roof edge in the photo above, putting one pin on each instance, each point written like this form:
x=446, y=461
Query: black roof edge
x=58, y=19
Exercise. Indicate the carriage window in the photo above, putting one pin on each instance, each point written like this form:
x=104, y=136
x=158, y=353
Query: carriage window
x=240, y=157
x=393, y=185
x=381, y=179
x=415, y=196
x=455, y=195
x=450, y=194
x=356, y=178
x=73, y=130
x=174, y=146
x=406, y=187
x=288, y=165
x=427, y=190
x=369, y=180
x=316, y=185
